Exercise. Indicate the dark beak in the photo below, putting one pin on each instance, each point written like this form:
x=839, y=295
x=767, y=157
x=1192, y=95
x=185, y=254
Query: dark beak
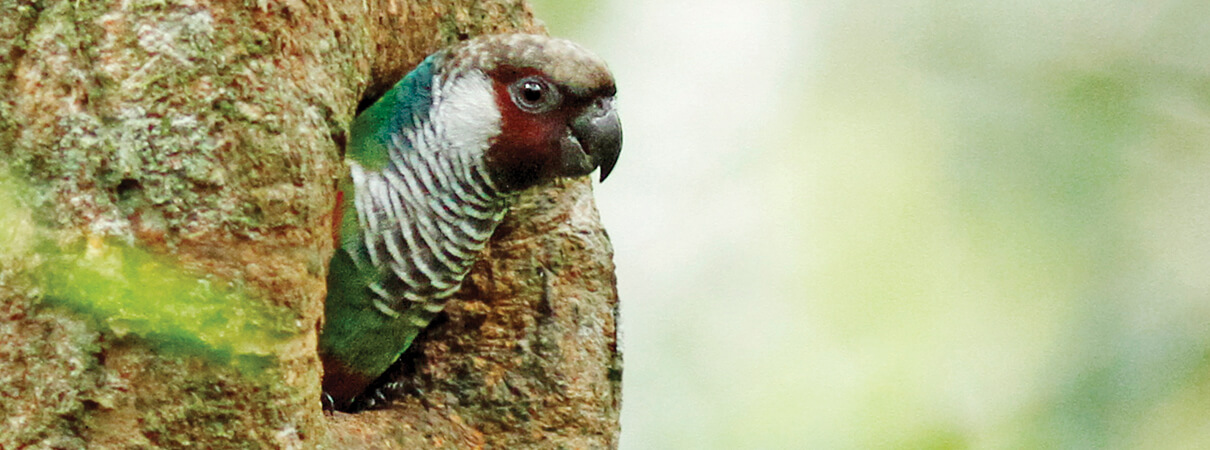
x=595, y=140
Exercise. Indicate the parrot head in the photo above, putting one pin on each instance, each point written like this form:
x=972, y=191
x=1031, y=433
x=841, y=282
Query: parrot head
x=555, y=103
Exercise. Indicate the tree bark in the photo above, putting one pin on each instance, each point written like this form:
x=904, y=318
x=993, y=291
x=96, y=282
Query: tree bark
x=156, y=144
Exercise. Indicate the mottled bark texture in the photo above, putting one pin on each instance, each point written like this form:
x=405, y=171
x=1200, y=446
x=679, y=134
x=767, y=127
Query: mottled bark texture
x=209, y=133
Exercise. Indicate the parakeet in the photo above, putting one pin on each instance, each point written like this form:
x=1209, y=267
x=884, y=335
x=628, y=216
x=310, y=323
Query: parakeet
x=432, y=167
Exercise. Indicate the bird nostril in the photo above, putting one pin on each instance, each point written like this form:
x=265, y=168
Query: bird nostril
x=604, y=104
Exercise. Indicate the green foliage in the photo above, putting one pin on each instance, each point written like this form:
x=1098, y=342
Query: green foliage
x=129, y=291
x=567, y=18
x=912, y=224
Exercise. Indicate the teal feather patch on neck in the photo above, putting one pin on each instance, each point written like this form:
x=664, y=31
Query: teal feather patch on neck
x=401, y=107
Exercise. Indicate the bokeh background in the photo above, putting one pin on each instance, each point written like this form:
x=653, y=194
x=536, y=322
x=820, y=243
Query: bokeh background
x=909, y=224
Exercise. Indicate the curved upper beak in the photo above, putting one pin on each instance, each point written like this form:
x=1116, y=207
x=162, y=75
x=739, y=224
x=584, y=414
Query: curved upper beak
x=596, y=140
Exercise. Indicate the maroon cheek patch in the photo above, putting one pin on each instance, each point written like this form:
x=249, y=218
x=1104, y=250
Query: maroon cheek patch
x=528, y=144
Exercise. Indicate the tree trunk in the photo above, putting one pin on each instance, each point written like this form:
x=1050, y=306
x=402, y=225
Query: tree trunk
x=165, y=228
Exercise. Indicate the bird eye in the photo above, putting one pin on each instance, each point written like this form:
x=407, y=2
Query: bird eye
x=532, y=91
x=534, y=94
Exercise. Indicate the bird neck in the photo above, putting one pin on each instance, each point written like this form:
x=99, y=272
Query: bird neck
x=424, y=198
x=428, y=214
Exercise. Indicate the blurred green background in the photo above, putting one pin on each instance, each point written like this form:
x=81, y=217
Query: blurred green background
x=909, y=224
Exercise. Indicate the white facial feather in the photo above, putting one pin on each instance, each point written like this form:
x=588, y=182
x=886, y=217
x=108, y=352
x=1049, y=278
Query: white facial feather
x=464, y=115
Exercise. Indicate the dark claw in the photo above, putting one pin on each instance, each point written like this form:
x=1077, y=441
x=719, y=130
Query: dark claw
x=327, y=402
